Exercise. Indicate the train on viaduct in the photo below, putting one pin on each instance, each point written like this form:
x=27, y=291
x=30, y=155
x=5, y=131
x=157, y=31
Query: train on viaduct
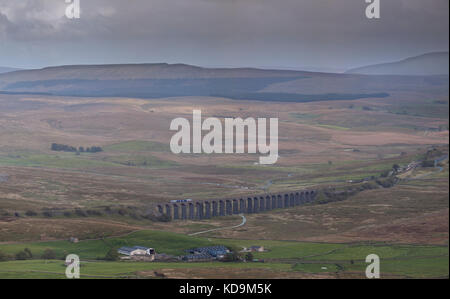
x=207, y=209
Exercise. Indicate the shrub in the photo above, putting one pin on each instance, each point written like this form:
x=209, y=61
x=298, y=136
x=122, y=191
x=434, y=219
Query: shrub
x=4, y=257
x=428, y=163
x=30, y=213
x=21, y=255
x=387, y=183
x=112, y=255
x=163, y=218
x=385, y=174
x=94, y=212
x=122, y=212
x=47, y=214
x=48, y=254
x=231, y=257
x=80, y=213
x=249, y=257
x=28, y=252
x=134, y=215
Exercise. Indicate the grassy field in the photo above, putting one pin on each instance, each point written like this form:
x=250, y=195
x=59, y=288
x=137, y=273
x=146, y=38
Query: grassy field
x=136, y=146
x=59, y=160
x=170, y=243
x=303, y=257
x=436, y=267
x=22, y=269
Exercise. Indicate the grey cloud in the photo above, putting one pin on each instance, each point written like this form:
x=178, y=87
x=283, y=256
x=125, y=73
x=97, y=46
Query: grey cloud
x=331, y=33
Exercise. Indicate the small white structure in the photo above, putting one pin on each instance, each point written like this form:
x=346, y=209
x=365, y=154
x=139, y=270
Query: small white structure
x=254, y=249
x=73, y=240
x=257, y=248
x=136, y=250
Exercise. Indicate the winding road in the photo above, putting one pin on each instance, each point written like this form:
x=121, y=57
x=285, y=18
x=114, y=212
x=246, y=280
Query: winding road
x=244, y=220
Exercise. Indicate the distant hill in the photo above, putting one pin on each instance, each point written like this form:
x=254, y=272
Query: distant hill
x=7, y=69
x=436, y=63
x=142, y=71
x=176, y=80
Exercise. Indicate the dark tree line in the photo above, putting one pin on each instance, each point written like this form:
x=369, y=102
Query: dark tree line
x=67, y=148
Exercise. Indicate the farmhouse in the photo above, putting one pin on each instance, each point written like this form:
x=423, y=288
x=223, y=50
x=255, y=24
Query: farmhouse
x=136, y=250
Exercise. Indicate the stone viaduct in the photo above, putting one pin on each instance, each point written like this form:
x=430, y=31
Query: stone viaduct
x=223, y=207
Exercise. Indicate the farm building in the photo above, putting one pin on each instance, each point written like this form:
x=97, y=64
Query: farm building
x=73, y=240
x=200, y=257
x=206, y=253
x=136, y=250
x=254, y=249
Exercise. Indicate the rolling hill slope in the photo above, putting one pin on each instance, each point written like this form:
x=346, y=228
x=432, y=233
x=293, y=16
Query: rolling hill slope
x=7, y=69
x=172, y=80
x=424, y=65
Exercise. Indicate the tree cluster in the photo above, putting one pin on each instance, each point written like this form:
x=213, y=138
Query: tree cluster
x=68, y=148
x=24, y=255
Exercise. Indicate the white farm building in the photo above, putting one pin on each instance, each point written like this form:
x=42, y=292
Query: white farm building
x=136, y=250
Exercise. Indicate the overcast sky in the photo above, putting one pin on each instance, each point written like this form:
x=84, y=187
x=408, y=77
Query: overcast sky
x=324, y=34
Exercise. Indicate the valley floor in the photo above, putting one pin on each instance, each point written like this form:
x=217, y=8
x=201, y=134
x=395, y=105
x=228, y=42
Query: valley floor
x=106, y=199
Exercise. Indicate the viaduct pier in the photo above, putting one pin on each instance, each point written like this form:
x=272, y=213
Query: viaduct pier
x=199, y=210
